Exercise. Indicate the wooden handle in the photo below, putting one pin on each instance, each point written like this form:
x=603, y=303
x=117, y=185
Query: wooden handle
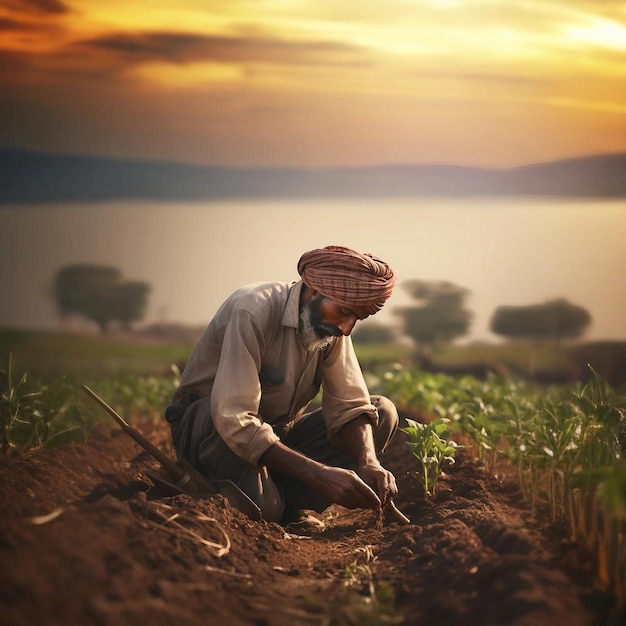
x=400, y=517
x=193, y=480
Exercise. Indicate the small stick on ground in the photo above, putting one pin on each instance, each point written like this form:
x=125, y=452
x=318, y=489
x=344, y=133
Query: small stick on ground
x=394, y=512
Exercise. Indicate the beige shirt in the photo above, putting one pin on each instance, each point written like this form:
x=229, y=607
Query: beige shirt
x=252, y=363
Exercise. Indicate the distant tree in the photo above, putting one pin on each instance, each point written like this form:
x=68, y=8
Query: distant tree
x=373, y=332
x=129, y=302
x=554, y=320
x=441, y=315
x=98, y=293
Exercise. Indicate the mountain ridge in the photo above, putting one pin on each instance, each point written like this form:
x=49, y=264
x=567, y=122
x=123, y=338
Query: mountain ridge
x=39, y=177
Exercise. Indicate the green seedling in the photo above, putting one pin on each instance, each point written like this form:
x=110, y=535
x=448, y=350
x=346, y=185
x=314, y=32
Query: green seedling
x=433, y=450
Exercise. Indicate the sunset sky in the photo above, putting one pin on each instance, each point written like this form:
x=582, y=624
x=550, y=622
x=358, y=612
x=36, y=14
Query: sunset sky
x=314, y=82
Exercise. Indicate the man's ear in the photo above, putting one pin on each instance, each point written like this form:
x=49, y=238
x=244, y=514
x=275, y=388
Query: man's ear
x=309, y=291
x=307, y=294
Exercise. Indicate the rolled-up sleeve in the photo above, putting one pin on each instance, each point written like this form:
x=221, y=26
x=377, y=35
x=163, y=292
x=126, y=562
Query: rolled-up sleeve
x=345, y=394
x=237, y=391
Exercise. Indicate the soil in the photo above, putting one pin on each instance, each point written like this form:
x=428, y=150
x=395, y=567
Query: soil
x=82, y=543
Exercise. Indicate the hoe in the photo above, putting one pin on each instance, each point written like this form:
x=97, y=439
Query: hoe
x=182, y=477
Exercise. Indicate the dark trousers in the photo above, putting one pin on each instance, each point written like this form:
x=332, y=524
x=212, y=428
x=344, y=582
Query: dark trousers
x=197, y=441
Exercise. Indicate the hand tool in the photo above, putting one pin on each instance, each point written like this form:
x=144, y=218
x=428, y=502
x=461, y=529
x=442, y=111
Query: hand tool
x=399, y=515
x=182, y=477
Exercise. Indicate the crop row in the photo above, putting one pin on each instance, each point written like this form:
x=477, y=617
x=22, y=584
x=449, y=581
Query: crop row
x=566, y=445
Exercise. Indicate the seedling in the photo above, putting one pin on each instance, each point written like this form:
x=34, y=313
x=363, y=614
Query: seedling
x=19, y=412
x=430, y=446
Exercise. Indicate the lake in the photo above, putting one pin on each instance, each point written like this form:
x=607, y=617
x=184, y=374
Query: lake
x=503, y=250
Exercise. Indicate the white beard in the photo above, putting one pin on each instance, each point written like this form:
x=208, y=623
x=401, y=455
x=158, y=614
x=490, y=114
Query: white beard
x=311, y=340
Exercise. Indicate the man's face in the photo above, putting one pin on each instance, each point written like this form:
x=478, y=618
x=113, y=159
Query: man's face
x=321, y=319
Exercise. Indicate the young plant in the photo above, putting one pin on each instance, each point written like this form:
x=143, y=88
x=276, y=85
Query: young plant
x=429, y=445
x=19, y=412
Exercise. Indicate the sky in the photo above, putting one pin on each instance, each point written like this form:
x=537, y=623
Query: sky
x=315, y=83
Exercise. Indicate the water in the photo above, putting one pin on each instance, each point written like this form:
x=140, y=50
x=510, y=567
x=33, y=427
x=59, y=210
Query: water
x=503, y=250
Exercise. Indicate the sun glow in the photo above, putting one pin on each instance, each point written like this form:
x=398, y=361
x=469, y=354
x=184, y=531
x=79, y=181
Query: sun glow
x=600, y=32
x=589, y=105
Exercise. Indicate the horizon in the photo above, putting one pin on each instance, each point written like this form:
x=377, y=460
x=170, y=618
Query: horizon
x=373, y=165
x=44, y=177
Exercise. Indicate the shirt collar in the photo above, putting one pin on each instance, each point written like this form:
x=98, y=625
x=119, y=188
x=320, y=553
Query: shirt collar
x=291, y=316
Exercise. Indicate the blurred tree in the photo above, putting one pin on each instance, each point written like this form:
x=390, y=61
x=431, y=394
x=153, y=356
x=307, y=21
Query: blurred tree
x=554, y=319
x=129, y=300
x=441, y=315
x=98, y=293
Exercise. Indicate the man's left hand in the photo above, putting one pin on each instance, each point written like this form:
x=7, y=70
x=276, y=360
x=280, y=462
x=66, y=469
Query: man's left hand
x=382, y=481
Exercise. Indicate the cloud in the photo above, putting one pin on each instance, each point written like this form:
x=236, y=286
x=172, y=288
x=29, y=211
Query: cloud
x=181, y=48
x=113, y=56
x=33, y=24
x=45, y=7
x=35, y=27
x=484, y=76
x=8, y=24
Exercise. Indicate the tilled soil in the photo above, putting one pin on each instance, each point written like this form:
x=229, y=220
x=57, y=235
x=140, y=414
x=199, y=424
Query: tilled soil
x=82, y=544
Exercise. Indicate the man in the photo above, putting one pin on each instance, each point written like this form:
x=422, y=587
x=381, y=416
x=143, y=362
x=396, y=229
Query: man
x=239, y=412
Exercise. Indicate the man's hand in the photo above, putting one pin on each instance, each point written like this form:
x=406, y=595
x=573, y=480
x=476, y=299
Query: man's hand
x=346, y=488
x=382, y=481
x=339, y=485
x=358, y=439
x=370, y=487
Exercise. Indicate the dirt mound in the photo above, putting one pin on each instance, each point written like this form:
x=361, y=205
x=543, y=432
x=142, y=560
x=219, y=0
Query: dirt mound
x=81, y=543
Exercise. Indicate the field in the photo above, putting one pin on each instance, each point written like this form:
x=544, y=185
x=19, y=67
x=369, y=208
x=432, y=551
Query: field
x=81, y=542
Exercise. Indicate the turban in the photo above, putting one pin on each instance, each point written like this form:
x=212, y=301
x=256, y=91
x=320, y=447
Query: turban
x=348, y=277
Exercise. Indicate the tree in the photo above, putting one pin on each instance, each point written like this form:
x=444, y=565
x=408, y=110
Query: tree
x=441, y=315
x=100, y=294
x=554, y=319
x=129, y=302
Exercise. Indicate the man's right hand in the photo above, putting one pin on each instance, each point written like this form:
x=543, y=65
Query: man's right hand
x=344, y=487
x=339, y=485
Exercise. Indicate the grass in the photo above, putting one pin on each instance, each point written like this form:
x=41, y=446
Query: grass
x=41, y=373
x=94, y=356
x=520, y=357
x=136, y=376
x=87, y=357
x=372, y=355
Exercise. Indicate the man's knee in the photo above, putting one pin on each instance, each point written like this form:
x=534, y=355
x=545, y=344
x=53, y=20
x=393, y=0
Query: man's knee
x=387, y=412
x=387, y=421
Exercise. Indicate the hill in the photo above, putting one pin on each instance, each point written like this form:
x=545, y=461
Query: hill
x=31, y=177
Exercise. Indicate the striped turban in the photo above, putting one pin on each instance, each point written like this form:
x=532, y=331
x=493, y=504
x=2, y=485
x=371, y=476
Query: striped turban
x=348, y=277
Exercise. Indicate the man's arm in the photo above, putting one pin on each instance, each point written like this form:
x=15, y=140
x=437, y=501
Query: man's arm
x=339, y=485
x=358, y=439
x=368, y=488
